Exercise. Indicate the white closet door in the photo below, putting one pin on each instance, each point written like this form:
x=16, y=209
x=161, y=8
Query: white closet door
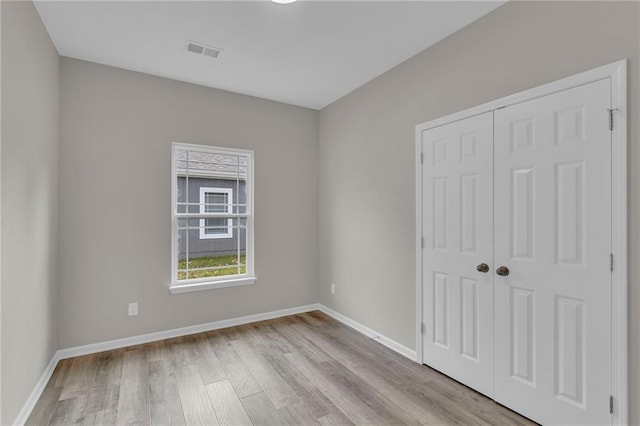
x=458, y=232
x=553, y=232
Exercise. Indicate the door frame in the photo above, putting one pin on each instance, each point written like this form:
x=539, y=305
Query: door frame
x=617, y=73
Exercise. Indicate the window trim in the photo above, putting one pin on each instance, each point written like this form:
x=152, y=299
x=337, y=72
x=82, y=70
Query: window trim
x=249, y=277
x=215, y=190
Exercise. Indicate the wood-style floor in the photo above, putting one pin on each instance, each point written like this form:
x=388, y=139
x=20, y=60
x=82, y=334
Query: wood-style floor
x=299, y=370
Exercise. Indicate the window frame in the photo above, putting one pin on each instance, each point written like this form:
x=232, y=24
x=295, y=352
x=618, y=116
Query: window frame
x=204, y=190
x=197, y=284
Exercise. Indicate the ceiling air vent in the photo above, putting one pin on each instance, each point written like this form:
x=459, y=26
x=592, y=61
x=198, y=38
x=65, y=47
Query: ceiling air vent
x=201, y=49
x=208, y=51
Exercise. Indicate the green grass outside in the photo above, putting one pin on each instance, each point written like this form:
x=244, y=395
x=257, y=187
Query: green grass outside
x=208, y=262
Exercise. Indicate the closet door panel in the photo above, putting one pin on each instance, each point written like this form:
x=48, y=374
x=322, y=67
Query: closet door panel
x=553, y=232
x=458, y=231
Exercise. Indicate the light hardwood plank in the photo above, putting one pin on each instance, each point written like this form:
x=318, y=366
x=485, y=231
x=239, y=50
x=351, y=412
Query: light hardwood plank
x=207, y=361
x=179, y=349
x=227, y=405
x=165, y=405
x=261, y=410
x=236, y=371
x=196, y=406
x=275, y=338
x=61, y=372
x=384, y=408
x=321, y=406
x=298, y=414
x=69, y=411
x=133, y=401
x=80, y=374
x=332, y=420
x=356, y=410
x=104, y=389
x=295, y=335
x=44, y=409
x=271, y=382
x=158, y=351
x=297, y=381
x=102, y=418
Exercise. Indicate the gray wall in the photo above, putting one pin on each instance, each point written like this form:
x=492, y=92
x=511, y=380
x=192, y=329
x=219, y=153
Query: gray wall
x=30, y=75
x=367, y=190
x=116, y=131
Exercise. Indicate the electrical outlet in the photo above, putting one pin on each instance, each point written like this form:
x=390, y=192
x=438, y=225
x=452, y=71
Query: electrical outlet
x=333, y=288
x=133, y=309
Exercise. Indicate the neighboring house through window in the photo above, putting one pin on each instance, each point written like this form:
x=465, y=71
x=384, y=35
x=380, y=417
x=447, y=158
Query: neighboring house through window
x=212, y=211
x=216, y=200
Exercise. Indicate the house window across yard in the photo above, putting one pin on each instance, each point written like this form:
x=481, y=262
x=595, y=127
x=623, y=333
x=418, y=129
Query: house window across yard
x=212, y=211
x=216, y=200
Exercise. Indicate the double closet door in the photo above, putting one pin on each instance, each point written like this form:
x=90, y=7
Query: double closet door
x=516, y=212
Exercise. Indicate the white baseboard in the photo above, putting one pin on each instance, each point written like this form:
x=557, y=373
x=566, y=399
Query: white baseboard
x=26, y=410
x=178, y=332
x=383, y=340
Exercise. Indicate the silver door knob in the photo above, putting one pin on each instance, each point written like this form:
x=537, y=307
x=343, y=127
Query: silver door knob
x=503, y=271
x=483, y=267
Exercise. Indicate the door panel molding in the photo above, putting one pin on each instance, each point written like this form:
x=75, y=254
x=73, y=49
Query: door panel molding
x=569, y=127
x=458, y=232
x=561, y=220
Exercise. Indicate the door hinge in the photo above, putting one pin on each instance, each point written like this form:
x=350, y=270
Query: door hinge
x=610, y=404
x=611, y=261
x=611, y=111
x=423, y=328
x=422, y=242
x=421, y=158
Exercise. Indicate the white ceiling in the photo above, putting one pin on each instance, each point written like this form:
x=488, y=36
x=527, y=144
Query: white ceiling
x=309, y=53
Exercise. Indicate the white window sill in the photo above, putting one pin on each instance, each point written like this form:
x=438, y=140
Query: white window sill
x=176, y=288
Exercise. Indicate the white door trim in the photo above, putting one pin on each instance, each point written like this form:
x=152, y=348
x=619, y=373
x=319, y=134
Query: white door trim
x=0, y=202
x=617, y=73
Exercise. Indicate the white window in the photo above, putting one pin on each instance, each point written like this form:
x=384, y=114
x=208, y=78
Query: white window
x=212, y=217
x=216, y=200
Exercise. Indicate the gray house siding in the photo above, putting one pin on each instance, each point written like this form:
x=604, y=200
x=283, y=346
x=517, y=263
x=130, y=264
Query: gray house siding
x=209, y=247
